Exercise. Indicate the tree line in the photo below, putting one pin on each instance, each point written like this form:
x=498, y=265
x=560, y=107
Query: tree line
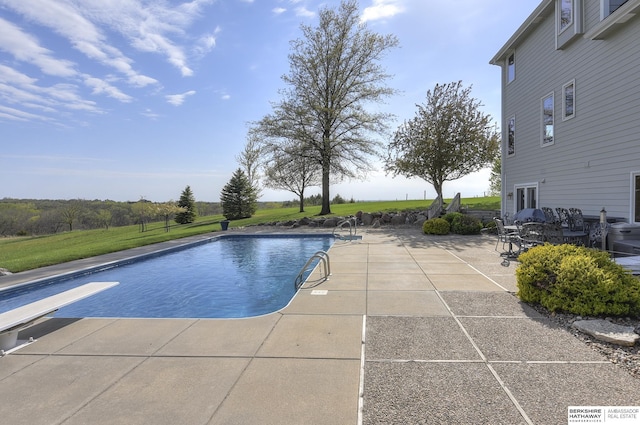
x=22, y=217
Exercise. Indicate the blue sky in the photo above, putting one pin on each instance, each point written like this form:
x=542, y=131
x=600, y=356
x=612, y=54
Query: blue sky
x=122, y=99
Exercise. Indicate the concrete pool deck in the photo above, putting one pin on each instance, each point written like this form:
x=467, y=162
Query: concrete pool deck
x=408, y=329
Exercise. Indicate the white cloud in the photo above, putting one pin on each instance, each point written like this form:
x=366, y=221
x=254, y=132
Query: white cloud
x=178, y=99
x=303, y=12
x=278, y=10
x=26, y=48
x=381, y=9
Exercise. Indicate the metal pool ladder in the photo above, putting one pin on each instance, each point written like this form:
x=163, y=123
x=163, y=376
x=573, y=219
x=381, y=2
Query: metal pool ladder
x=322, y=256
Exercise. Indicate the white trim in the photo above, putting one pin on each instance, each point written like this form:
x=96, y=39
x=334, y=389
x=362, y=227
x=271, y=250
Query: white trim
x=566, y=117
x=559, y=29
x=542, y=125
x=632, y=196
x=514, y=136
x=508, y=69
x=611, y=22
x=525, y=186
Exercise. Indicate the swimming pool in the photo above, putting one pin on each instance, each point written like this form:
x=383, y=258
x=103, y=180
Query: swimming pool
x=227, y=276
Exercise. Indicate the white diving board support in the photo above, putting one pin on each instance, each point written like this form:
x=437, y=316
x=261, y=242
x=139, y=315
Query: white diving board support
x=13, y=321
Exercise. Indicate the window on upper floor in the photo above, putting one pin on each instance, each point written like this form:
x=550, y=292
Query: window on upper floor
x=547, y=120
x=566, y=15
x=511, y=67
x=569, y=100
x=511, y=136
x=610, y=6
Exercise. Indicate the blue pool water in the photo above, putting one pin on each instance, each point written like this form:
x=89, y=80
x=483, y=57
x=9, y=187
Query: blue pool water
x=235, y=276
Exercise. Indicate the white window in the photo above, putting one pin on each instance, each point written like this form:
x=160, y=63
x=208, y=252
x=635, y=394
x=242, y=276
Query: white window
x=511, y=136
x=526, y=196
x=569, y=100
x=566, y=15
x=511, y=67
x=635, y=192
x=610, y=6
x=547, y=119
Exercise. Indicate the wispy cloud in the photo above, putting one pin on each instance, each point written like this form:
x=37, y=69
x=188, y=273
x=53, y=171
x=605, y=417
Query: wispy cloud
x=381, y=9
x=278, y=10
x=303, y=12
x=178, y=99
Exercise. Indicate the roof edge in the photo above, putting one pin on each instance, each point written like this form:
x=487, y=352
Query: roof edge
x=527, y=26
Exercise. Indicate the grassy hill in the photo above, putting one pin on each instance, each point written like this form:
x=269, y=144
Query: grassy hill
x=25, y=253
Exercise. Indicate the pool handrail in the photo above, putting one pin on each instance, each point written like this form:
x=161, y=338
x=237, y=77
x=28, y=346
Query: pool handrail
x=322, y=256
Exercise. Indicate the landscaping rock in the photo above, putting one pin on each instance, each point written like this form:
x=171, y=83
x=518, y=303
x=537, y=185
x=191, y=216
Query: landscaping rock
x=5, y=272
x=367, y=219
x=398, y=219
x=608, y=332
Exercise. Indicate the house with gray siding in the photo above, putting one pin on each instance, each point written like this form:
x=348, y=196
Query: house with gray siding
x=571, y=109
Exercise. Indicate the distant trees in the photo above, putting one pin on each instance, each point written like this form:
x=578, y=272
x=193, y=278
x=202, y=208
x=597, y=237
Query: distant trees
x=187, y=202
x=447, y=139
x=495, y=179
x=334, y=76
x=238, y=197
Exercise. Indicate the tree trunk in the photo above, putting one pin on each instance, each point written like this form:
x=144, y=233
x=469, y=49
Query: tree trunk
x=326, y=206
x=301, y=201
x=326, y=167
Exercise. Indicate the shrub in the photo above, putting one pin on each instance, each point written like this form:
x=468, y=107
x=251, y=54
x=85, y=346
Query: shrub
x=577, y=280
x=491, y=227
x=451, y=217
x=466, y=225
x=436, y=226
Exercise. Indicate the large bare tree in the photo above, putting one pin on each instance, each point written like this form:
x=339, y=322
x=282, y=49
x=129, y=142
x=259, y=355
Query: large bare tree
x=334, y=77
x=287, y=168
x=448, y=138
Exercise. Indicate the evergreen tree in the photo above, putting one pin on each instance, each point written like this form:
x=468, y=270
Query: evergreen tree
x=188, y=202
x=238, y=198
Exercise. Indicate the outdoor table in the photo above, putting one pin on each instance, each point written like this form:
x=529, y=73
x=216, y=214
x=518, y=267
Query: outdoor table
x=575, y=237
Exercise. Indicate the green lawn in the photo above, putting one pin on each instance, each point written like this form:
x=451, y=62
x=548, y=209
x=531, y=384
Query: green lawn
x=25, y=253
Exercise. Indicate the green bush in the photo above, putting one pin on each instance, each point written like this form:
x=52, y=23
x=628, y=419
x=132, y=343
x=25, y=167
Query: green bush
x=436, y=226
x=577, y=280
x=491, y=227
x=451, y=217
x=466, y=225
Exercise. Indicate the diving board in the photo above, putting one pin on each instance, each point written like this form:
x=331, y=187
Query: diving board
x=12, y=321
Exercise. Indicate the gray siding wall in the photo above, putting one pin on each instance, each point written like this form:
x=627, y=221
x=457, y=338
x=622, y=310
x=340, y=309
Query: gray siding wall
x=590, y=164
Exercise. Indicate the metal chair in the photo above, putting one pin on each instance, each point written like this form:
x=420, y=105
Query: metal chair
x=553, y=233
x=506, y=236
x=596, y=234
x=577, y=221
x=564, y=217
x=531, y=234
x=550, y=217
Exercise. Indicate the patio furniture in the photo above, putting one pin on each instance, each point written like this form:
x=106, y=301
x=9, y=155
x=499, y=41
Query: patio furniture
x=564, y=217
x=549, y=216
x=553, y=234
x=507, y=235
x=529, y=215
x=531, y=234
x=596, y=234
x=577, y=221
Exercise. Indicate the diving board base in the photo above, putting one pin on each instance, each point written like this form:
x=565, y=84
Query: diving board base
x=13, y=321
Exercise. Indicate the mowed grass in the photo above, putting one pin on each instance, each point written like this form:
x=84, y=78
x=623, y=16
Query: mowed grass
x=24, y=253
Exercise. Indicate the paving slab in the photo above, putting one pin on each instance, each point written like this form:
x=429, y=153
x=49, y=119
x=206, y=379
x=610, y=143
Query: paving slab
x=524, y=339
x=331, y=302
x=314, y=336
x=164, y=391
x=56, y=387
x=274, y=391
x=221, y=337
x=435, y=393
x=398, y=282
x=129, y=337
x=463, y=282
x=405, y=303
x=475, y=303
x=417, y=338
x=54, y=334
x=546, y=390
